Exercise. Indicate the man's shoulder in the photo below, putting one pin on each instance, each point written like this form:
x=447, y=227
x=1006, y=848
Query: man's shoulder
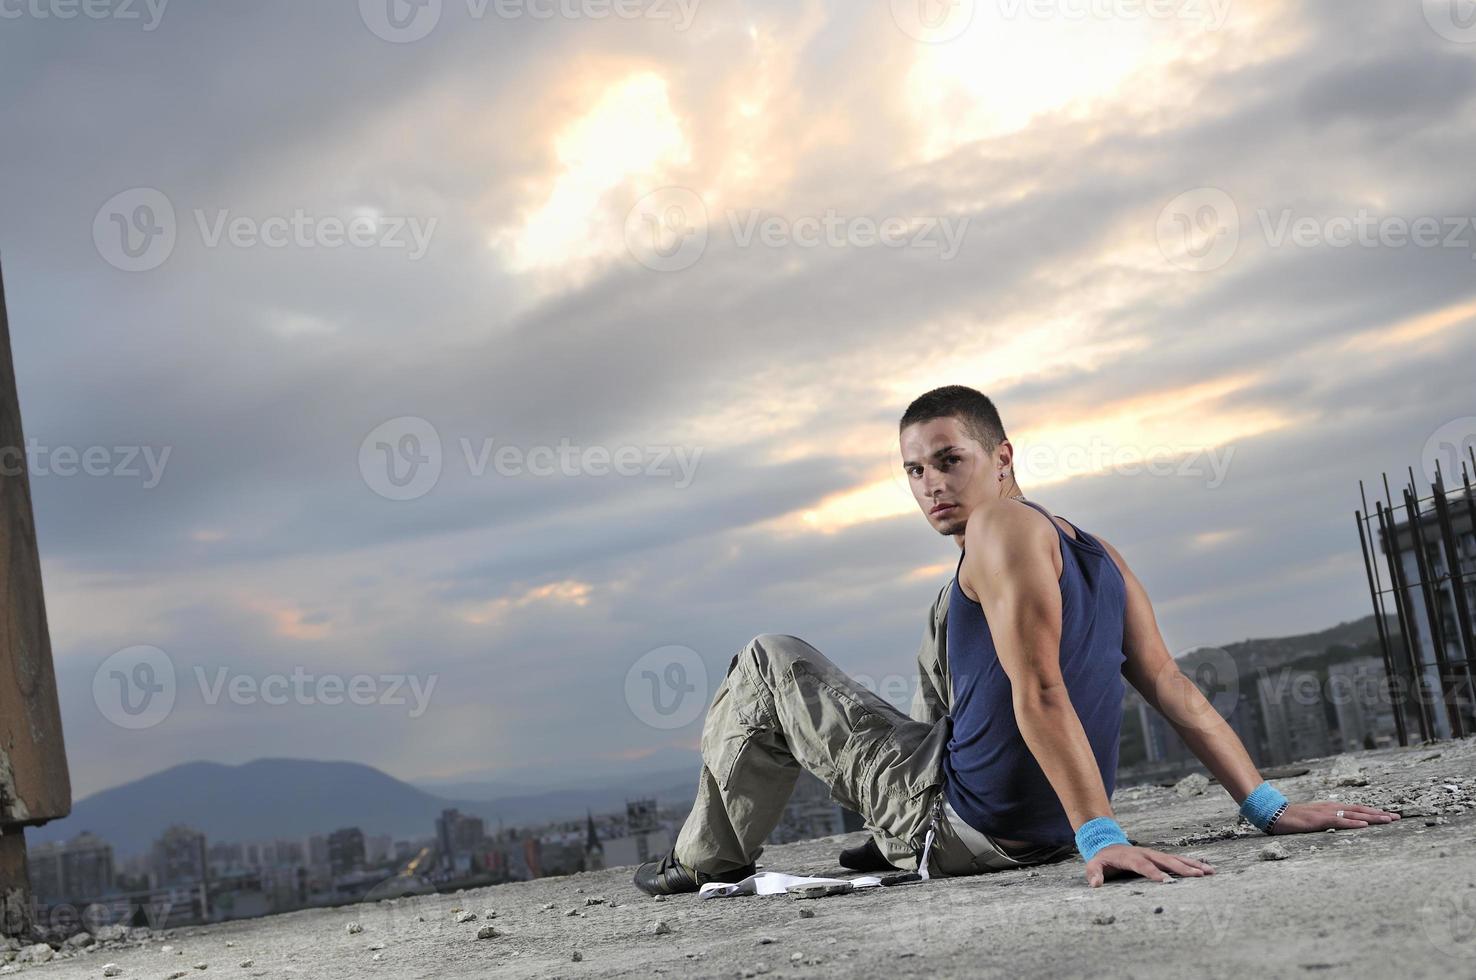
x=1005, y=522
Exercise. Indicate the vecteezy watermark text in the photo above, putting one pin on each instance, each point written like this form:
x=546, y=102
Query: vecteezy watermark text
x=1201, y=230
x=148, y=12
x=668, y=230
x=136, y=230
x=1042, y=462
x=138, y=687
x=402, y=459
x=406, y=21
x=65, y=461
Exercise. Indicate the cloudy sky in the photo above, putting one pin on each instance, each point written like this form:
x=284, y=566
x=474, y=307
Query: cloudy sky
x=500, y=351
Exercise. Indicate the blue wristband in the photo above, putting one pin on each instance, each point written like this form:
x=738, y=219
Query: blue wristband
x=1263, y=806
x=1097, y=833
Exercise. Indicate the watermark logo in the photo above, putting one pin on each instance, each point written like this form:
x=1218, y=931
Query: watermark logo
x=667, y=687
x=401, y=459
x=1199, y=230
x=1454, y=20
x=1448, y=919
x=148, y=12
x=408, y=906
x=1198, y=688
x=400, y=21
x=303, y=688
x=67, y=461
x=1451, y=447
x=405, y=21
x=135, y=688
x=933, y=21
x=1047, y=462
x=135, y=230
x=666, y=231
x=1211, y=14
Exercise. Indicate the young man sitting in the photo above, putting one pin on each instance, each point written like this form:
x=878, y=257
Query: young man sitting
x=1044, y=623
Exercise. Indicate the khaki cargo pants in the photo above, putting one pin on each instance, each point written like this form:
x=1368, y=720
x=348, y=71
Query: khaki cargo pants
x=783, y=707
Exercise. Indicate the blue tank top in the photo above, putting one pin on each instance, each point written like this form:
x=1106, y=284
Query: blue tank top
x=990, y=776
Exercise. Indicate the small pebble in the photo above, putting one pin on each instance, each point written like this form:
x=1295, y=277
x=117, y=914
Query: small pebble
x=807, y=913
x=659, y=928
x=576, y=956
x=353, y=928
x=466, y=917
x=487, y=932
x=1103, y=919
x=547, y=906
x=112, y=970
x=1158, y=910
x=247, y=963
x=1275, y=851
x=765, y=940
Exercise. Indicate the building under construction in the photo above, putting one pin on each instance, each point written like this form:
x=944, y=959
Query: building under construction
x=1419, y=554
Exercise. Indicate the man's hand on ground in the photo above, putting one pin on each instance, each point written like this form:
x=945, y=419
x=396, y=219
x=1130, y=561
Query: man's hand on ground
x=1304, y=818
x=1124, y=858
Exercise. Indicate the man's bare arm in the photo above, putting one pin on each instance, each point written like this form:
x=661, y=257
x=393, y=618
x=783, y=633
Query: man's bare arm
x=1009, y=562
x=1152, y=671
x=1013, y=570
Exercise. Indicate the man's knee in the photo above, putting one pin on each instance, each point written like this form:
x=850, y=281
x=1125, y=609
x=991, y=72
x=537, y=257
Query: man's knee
x=772, y=653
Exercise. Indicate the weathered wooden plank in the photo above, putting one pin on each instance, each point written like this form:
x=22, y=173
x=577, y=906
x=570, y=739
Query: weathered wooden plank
x=35, y=785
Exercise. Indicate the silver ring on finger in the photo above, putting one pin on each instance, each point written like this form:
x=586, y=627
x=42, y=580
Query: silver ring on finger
x=1340, y=814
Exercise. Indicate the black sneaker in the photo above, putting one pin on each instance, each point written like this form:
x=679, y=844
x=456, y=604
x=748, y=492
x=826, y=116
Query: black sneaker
x=866, y=857
x=670, y=877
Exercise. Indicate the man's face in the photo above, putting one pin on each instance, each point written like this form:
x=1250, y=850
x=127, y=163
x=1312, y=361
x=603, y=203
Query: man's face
x=949, y=472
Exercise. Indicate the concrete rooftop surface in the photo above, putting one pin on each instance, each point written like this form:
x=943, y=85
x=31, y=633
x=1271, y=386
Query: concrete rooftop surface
x=1397, y=900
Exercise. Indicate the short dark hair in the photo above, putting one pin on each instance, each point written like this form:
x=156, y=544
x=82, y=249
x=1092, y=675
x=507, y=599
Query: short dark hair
x=974, y=409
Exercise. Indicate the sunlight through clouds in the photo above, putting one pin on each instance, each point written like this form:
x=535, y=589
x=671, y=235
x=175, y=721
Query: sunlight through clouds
x=630, y=134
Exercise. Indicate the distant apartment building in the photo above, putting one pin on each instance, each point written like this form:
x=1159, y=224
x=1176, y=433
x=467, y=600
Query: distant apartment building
x=460, y=838
x=1359, y=691
x=1444, y=597
x=810, y=813
x=346, y=850
x=645, y=839
x=179, y=858
x=72, y=871
x=378, y=848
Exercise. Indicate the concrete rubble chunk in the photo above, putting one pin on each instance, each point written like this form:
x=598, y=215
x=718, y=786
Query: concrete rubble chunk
x=37, y=953
x=1347, y=772
x=1193, y=784
x=659, y=928
x=1274, y=851
x=488, y=932
x=466, y=916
